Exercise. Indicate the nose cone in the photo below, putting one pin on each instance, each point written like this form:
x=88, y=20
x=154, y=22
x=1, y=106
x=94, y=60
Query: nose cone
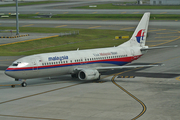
x=9, y=73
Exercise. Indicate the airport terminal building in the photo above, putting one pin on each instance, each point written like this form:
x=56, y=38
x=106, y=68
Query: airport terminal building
x=165, y=2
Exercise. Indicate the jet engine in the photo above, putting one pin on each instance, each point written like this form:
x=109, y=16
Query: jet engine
x=88, y=74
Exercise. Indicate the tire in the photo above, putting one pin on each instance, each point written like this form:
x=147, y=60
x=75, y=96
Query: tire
x=24, y=84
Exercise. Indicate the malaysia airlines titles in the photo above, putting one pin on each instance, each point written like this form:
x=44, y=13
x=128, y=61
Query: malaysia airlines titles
x=58, y=58
x=105, y=54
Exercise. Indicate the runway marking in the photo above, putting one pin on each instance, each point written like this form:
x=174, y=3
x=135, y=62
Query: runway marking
x=29, y=117
x=27, y=25
x=9, y=85
x=94, y=12
x=119, y=76
x=156, y=30
x=60, y=26
x=123, y=12
x=163, y=12
x=127, y=28
x=143, y=105
x=65, y=12
x=178, y=78
x=167, y=33
x=41, y=93
x=166, y=37
x=165, y=42
x=157, y=41
x=37, y=13
x=94, y=27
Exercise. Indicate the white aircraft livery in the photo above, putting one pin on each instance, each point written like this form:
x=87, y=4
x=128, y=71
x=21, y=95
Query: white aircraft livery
x=83, y=64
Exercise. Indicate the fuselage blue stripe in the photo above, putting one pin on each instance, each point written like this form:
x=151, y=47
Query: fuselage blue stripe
x=68, y=64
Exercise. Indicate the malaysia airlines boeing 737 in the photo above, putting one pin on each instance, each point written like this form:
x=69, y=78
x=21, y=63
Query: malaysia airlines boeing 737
x=83, y=64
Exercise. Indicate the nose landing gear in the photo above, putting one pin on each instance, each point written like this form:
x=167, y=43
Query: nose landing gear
x=23, y=84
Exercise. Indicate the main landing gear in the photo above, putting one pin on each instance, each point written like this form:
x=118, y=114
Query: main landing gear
x=74, y=75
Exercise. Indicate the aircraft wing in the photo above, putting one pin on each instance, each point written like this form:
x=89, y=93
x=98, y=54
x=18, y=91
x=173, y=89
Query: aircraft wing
x=123, y=67
x=120, y=67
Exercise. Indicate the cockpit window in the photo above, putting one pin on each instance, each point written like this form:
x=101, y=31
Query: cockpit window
x=20, y=64
x=14, y=64
x=23, y=64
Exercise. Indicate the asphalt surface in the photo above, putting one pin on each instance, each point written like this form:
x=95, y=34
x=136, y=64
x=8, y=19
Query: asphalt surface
x=152, y=95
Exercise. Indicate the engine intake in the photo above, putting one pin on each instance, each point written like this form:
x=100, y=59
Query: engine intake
x=88, y=74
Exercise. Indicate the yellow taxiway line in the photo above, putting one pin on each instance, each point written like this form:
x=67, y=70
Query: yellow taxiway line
x=27, y=25
x=30, y=40
x=94, y=27
x=60, y=26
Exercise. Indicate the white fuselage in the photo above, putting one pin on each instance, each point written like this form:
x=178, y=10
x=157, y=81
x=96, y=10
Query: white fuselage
x=84, y=64
x=58, y=63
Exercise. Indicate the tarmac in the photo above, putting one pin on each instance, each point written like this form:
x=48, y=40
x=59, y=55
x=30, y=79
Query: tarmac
x=152, y=94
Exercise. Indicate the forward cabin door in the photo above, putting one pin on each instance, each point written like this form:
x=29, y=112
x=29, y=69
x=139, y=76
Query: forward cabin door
x=36, y=61
x=34, y=65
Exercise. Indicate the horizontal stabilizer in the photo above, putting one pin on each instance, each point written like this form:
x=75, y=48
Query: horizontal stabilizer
x=160, y=47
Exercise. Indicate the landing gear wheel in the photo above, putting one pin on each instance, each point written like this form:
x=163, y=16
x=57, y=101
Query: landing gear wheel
x=23, y=84
x=99, y=77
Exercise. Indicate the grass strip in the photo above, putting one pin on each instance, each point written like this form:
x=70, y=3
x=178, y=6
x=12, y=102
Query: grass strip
x=87, y=39
x=111, y=6
x=99, y=17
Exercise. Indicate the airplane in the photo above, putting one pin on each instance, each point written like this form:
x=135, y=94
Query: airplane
x=85, y=64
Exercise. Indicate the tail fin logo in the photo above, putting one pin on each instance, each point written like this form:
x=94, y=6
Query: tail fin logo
x=140, y=35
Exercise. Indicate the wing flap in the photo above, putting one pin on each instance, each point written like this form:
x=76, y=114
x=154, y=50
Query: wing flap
x=127, y=67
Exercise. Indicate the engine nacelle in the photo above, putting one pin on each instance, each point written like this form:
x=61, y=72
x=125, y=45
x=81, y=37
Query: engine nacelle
x=88, y=74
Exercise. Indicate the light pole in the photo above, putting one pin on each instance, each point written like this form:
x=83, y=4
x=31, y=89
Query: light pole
x=17, y=21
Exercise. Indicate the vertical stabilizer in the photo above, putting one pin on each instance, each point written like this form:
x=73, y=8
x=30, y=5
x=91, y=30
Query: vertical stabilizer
x=138, y=38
